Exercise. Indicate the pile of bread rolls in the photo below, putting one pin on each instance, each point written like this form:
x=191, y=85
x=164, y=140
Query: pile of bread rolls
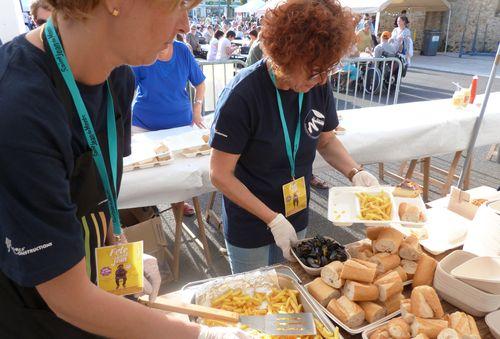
x=369, y=286
x=422, y=317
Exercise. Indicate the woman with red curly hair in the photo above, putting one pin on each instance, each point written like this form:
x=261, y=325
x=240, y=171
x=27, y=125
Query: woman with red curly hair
x=269, y=123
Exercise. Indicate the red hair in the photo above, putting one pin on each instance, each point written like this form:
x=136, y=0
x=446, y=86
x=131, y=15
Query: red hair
x=309, y=34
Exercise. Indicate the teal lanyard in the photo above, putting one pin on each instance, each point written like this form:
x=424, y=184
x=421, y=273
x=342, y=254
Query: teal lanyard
x=292, y=154
x=88, y=129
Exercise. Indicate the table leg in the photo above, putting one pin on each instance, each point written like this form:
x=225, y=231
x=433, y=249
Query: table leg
x=426, y=169
x=451, y=174
x=210, y=206
x=411, y=169
x=201, y=229
x=381, y=171
x=402, y=168
x=178, y=210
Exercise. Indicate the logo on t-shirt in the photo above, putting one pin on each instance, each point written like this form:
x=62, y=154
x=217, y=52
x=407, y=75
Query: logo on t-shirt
x=313, y=123
x=22, y=250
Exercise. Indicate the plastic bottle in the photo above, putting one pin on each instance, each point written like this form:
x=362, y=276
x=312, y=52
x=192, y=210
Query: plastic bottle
x=473, y=89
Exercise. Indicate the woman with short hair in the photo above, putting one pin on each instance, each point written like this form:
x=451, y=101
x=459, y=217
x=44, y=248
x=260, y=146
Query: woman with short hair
x=214, y=45
x=269, y=123
x=65, y=112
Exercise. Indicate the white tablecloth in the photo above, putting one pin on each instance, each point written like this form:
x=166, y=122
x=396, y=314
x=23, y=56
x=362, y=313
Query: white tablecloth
x=375, y=134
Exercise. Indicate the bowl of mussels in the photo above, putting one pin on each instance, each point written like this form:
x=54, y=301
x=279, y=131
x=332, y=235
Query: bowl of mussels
x=315, y=253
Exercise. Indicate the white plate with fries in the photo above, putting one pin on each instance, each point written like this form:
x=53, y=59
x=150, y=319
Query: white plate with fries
x=372, y=206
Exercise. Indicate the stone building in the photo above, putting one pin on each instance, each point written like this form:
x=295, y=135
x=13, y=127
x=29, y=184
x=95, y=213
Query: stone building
x=479, y=19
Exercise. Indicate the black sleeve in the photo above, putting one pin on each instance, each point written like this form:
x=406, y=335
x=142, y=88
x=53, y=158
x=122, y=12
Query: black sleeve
x=331, y=118
x=123, y=82
x=232, y=124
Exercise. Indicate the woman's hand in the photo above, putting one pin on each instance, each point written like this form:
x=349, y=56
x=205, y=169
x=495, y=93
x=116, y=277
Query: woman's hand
x=284, y=235
x=197, y=118
x=364, y=178
x=152, y=277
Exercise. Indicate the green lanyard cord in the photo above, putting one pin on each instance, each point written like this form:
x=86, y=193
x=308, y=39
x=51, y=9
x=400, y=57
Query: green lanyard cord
x=88, y=129
x=292, y=154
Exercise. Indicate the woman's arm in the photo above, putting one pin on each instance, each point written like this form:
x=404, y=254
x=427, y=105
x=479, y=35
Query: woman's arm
x=334, y=153
x=198, y=104
x=73, y=298
x=222, y=167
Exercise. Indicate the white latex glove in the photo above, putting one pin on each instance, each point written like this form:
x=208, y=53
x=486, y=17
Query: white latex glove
x=223, y=333
x=152, y=277
x=284, y=234
x=364, y=178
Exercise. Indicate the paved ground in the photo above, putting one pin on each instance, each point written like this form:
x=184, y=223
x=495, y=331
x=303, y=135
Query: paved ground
x=418, y=85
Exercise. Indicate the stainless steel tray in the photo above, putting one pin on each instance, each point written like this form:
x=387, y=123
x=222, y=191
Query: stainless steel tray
x=286, y=279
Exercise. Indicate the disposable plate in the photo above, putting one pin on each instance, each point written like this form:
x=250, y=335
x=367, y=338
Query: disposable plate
x=480, y=272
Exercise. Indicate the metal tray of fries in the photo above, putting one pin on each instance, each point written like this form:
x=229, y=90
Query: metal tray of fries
x=287, y=279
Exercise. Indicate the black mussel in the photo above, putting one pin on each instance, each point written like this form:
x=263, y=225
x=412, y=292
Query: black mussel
x=311, y=262
x=324, y=261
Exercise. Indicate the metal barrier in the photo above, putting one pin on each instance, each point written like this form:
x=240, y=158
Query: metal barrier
x=364, y=82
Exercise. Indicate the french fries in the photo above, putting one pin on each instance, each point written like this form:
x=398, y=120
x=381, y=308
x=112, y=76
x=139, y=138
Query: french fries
x=375, y=206
x=278, y=301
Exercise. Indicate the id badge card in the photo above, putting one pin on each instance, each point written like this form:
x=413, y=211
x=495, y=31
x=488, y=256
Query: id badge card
x=120, y=268
x=295, y=196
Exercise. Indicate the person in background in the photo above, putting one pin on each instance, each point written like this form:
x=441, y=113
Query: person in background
x=40, y=11
x=403, y=13
x=401, y=36
x=192, y=40
x=253, y=37
x=386, y=48
x=364, y=39
x=208, y=33
x=162, y=100
x=361, y=24
x=239, y=32
x=180, y=37
x=214, y=45
x=255, y=53
x=225, y=49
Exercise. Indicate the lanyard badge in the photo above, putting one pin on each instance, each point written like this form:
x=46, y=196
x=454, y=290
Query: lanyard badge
x=294, y=192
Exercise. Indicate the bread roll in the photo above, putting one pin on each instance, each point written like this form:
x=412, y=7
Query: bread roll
x=409, y=212
x=357, y=291
x=358, y=270
x=410, y=248
x=361, y=251
x=392, y=304
x=402, y=273
x=429, y=327
x=421, y=336
x=385, y=261
x=322, y=292
x=424, y=274
x=425, y=303
x=388, y=285
x=347, y=311
x=398, y=328
x=331, y=274
x=372, y=232
x=465, y=325
x=448, y=333
x=380, y=333
x=410, y=267
x=406, y=311
x=373, y=311
x=388, y=240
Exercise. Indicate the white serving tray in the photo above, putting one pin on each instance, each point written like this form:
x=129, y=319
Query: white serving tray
x=357, y=330
x=343, y=206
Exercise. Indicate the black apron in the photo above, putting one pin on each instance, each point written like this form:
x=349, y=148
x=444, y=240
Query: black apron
x=23, y=313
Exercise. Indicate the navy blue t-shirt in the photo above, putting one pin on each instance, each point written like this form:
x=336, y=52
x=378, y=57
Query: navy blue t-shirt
x=247, y=122
x=162, y=100
x=41, y=236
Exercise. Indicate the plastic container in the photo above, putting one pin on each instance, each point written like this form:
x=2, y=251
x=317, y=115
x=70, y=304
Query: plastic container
x=310, y=270
x=458, y=293
x=480, y=272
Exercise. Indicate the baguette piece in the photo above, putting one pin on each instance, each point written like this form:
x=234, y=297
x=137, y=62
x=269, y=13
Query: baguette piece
x=407, y=189
x=322, y=292
x=398, y=328
x=357, y=291
x=361, y=251
x=425, y=303
x=448, y=333
x=389, y=285
x=410, y=267
x=410, y=248
x=372, y=232
x=347, y=311
x=373, y=311
x=421, y=336
x=385, y=261
x=406, y=311
x=424, y=274
x=429, y=327
x=389, y=240
x=358, y=270
x=410, y=212
x=465, y=325
x=380, y=333
x=392, y=304
x=402, y=273
x=331, y=274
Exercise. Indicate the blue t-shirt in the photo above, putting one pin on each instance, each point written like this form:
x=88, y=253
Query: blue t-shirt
x=162, y=100
x=247, y=122
x=40, y=144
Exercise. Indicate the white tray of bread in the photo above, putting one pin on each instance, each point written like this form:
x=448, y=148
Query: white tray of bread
x=423, y=317
x=374, y=206
x=147, y=156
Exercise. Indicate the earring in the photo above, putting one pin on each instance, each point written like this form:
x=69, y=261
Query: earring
x=115, y=12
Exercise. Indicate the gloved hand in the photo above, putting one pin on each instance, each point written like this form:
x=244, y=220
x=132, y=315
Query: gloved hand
x=364, y=178
x=152, y=277
x=223, y=333
x=284, y=234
